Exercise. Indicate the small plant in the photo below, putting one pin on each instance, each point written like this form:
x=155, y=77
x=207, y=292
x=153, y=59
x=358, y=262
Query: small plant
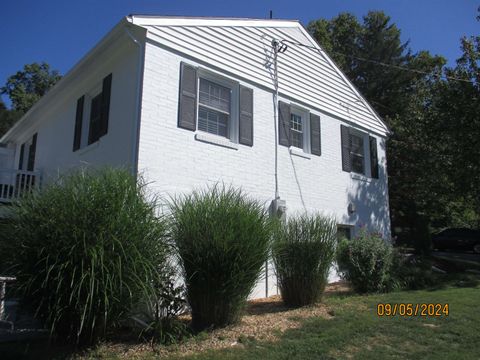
x=85, y=250
x=366, y=262
x=303, y=252
x=223, y=242
x=164, y=326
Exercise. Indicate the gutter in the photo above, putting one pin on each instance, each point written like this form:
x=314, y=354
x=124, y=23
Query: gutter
x=138, y=99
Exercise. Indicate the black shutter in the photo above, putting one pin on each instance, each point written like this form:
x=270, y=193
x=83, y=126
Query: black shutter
x=315, y=135
x=77, y=136
x=187, y=108
x=106, y=92
x=22, y=153
x=373, y=157
x=346, y=162
x=283, y=123
x=246, y=116
x=31, y=153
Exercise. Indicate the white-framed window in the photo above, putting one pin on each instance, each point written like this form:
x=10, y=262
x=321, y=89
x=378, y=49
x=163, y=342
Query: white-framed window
x=300, y=129
x=217, y=105
x=296, y=130
x=214, y=108
x=357, y=152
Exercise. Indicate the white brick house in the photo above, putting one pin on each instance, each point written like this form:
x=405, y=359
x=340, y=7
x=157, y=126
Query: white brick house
x=189, y=102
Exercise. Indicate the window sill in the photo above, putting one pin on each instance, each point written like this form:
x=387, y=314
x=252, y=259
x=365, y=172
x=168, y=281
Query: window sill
x=88, y=148
x=298, y=152
x=360, y=177
x=215, y=140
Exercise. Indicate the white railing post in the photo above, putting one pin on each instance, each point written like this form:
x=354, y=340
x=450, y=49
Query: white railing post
x=13, y=183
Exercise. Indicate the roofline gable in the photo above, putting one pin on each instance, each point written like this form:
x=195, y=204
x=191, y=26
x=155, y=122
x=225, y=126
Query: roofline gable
x=150, y=20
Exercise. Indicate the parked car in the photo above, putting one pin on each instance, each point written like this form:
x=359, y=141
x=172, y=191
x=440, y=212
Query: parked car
x=457, y=239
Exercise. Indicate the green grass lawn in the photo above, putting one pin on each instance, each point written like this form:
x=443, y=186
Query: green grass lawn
x=356, y=332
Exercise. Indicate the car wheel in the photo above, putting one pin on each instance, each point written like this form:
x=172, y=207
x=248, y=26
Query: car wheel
x=476, y=248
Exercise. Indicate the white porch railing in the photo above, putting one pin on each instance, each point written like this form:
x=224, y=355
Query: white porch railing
x=13, y=183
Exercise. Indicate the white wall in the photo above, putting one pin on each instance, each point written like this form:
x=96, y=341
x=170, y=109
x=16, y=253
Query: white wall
x=55, y=121
x=174, y=162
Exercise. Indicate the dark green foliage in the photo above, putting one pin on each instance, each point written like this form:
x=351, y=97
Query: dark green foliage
x=432, y=152
x=366, y=262
x=26, y=87
x=7, y=118
x=303, y=251
x=223, y=242
x=164, y=326
x=412, y=273
x=85, y=250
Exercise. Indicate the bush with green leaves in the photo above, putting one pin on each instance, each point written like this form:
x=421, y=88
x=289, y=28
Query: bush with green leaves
x=223, y=239
x=366, y=262
x=303, y=251
x=85, y=249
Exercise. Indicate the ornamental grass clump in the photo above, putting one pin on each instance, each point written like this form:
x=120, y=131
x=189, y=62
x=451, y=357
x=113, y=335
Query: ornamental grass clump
x=85, y=250
x=303, y=251
x=222, y=238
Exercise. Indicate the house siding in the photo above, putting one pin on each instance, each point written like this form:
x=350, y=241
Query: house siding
x=55, y=121
x=306, y=75
x=173, y=162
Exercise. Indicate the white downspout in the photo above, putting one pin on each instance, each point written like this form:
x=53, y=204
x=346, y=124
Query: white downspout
x=136, y=124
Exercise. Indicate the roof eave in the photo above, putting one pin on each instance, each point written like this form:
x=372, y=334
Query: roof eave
x=98, y=48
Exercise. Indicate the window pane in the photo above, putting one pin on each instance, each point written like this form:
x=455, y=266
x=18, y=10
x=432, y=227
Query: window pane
x=95, y=114
x=296, y=133
x=357, y=155
x=212, y=121
x=214, y=95
x=357, y=163
x=344, y=232
x=356, y=144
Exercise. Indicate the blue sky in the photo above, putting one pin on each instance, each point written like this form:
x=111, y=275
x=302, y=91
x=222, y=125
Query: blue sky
x=61, y=32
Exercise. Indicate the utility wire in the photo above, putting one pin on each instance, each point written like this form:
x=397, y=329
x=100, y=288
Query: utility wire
x=404, y=68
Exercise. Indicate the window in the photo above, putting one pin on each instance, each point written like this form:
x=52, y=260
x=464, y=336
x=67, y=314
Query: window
x=214, y=108
x=95, y=119
x=218, y=109
x=92, y=113
x=296, y=130
x=299, y=130
x=357, y=153
x=26, y=159
x=344, y=232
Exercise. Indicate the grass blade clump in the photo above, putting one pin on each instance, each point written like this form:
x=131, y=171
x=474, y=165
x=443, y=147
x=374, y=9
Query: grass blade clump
x=303, y=251
x=85, y=249
x=223, y=242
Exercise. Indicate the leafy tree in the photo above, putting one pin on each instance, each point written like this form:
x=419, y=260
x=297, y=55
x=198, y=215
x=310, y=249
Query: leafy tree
x=7, y=118
x=26, y=87
x=456, y=122
x=363, y=51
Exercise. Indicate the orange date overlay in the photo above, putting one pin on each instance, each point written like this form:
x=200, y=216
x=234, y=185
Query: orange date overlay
x=410, y=309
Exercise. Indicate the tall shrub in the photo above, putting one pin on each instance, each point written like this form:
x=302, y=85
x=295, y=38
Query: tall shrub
x=303, y=252
x=366, y=262
x=223, y=242
x=85, y=250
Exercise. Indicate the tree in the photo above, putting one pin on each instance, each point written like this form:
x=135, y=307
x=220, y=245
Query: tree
x=375, y=59
x=26, y=87
x=7, y=118
x=456, y=122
